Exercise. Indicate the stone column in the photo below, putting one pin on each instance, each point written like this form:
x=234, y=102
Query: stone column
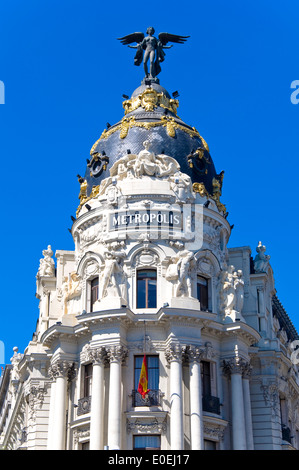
x=51, y=415
x=247, y=406
x=99, y=358
x=174, y=356
x=116, y=355
x=196, y=419
x=234, y=367
x=61, y=372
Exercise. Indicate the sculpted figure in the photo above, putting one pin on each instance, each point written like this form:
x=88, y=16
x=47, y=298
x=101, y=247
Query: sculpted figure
x=151, y=49
x=179, y=271
x=112, y=276
x=71, y=289
x=261, y=260
x=239, y=289
x=47, y=265
x=228, y=295
x=145, y=163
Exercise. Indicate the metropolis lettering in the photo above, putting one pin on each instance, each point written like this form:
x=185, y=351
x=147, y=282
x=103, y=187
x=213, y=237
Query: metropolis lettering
x=150, y=217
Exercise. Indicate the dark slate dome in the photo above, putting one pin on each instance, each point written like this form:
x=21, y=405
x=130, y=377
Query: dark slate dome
x=151, y=114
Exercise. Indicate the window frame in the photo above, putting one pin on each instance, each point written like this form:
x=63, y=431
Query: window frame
x=91, y=290
x=207, y=293
x=146, y=435
x=138, y=293
x=149, y=368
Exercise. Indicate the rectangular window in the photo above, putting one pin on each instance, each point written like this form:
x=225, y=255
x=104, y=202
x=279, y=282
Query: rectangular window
x=87, y=378
x=206, y=378
x=152, y=398
x=152, y=370
x=202, y=292
x=85, y=445
x=94, y=292
x=147, y=288
x=209, y=445
x=147, y=442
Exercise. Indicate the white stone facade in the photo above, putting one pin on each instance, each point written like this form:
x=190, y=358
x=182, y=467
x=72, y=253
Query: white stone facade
x=225, y=371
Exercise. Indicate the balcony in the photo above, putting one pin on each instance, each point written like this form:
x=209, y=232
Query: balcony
x=211, y=404
x=152, y=398
x=83, y=405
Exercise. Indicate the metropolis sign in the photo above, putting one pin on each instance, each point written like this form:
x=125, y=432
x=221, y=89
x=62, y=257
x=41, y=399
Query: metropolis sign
x=146, y=219
x=172, y=222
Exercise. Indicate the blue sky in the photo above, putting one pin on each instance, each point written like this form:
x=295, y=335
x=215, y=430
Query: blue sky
x=64, y=74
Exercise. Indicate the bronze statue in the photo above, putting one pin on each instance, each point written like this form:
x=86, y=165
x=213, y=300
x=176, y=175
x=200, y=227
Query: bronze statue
x=152, y=47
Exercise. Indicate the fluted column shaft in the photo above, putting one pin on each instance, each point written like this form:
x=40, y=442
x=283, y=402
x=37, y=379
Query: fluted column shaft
x=174, y=357
x=51, y=416
x=98, y=357
x=196, y=419
x=234, y=367
x=61, y=371
x=116, y=357
x=247, y=407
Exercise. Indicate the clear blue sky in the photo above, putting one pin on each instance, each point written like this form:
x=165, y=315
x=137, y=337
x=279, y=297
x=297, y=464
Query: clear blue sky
x=65, y=73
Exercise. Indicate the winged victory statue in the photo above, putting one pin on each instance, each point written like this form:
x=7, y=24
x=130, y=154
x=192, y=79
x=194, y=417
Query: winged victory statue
x=151, y=49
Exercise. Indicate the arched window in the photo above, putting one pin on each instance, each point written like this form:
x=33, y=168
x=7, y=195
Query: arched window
x=146, y=288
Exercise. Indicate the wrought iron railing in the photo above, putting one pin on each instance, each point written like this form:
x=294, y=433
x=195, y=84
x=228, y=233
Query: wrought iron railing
x=83, y=405
x=152, y=398
x=211, y=404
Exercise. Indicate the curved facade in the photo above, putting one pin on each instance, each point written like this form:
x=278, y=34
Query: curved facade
x=152, y=300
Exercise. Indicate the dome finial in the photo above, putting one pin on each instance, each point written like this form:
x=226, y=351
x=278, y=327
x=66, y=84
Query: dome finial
x=153, y=49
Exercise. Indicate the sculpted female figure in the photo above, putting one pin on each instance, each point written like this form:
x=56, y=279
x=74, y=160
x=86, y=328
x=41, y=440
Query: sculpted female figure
x=152, y=47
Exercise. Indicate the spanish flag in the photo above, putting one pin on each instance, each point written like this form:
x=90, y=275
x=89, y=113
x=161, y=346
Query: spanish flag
x=143, y=379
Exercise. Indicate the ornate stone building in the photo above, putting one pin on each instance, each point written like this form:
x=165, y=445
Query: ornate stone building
x=151, y=274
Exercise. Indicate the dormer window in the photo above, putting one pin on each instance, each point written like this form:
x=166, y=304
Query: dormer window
x=147, y=288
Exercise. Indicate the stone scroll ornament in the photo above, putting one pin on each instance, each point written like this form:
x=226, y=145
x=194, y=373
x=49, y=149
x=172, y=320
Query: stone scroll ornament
x=150, y=49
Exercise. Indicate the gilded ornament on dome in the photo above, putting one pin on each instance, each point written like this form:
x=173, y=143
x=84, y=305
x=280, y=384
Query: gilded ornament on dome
x=201, y=189
x=149, y=99
x=94, y=193
x=83, y=191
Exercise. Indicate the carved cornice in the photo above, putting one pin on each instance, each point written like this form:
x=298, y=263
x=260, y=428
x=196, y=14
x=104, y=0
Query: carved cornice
x=146, y=426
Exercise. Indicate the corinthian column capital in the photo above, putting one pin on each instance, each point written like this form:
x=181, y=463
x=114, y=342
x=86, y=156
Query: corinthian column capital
x=194, y=353
x=234, y=365
x=65, y=369
x=175, y=352
x=95, y=355
x=117, y=353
